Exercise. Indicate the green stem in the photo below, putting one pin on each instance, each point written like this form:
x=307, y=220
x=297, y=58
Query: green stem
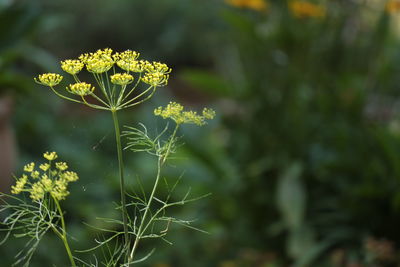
x=161, y=161
x=121, y=177
x=63, y=235
x=139, y=234
x=170, y=142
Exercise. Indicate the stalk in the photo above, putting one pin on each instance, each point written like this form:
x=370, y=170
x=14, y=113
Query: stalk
x=121, y=178
x=63, y=235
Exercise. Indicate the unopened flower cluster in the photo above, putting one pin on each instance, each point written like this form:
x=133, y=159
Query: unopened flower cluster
x=176, y=112
x=48, y=178
x=152, y=73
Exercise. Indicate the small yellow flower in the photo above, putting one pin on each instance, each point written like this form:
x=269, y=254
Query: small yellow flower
x=304, y=9
x=59, y=191
x=37, y=191
x=49, y=79
x=127, y=60
x=81, y=89
x=393, y=6
x=62, y=166
x=70, y=176
x=50, y=156
x=19, y=185
x=44, y=166
x=72, y=66
x=257, y=5
x=175, y=112
x=121, y=78
x=208, y=113
x=46, y=182
x=35, y=174
x=158, y=67
x=155, y=79
x=98, y=62
x=29, y=167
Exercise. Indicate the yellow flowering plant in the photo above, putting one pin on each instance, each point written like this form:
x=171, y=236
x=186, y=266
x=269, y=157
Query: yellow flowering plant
x=46, y=184
x=113, y=91
x=121, y=80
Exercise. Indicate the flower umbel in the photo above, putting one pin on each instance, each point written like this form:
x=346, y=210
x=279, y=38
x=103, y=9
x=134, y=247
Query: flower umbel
x=50, y=156
x=47, y=180
x=127, y=60
x=108, y=96
x=29, y=167
x=156, y=79
x=121, y=78
x=72, y=66
x=49, y=79
x=175, y=112
x=98, y=62
x=81, y=89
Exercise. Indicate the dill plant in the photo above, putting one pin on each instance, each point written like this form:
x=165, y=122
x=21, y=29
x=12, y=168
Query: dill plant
x=122, y=81
x=46, y=186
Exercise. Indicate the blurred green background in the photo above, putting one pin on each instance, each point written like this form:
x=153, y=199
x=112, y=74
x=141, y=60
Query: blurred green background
x=303, y=160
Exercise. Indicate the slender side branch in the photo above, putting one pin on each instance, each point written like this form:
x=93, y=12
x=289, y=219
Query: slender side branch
x=143, y=226
x=63, y=235
x=65, y=97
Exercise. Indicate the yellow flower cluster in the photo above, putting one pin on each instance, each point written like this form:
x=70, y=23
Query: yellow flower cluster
x=127, y=60
x=157, y=74
x=121, y=78
x=175, y=112
x=393, y=6
x=152, y=73
x=72, y=66
x=158, y=67
x=52, y=181
x=155, y=79
x=49, y=79
x=98, y=62
x=304, y=9
x=257, y=5
x=80, y=89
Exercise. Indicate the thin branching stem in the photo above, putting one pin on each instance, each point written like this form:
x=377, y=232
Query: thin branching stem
x=142, y=227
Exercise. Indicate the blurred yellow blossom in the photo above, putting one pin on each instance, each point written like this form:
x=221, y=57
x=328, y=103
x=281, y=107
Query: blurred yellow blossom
x=50, y=156
x=304, y=9
x=50, y=181
x=258, y=5
x=29, y=167
x=393, y=6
